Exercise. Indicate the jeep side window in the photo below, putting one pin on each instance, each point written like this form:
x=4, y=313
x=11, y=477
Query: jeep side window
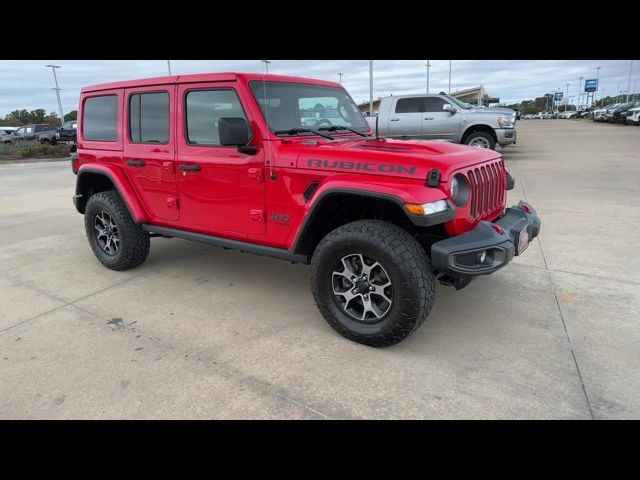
x=409, y=105
x=100, y=118
x=434, y=104
x=204, y=109
x=149, y=117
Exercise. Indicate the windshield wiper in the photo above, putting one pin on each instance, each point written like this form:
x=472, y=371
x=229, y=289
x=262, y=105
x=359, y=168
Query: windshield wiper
x=334, y=128
x=295, y=131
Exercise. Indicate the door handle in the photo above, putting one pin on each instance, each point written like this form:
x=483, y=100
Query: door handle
x=395, y=119
x=136, y=163
x=191, y=168
x=428, y=118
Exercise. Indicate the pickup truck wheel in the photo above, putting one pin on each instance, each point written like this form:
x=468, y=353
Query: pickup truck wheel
x=116, y=240
x=480, y=139
x=372, y=282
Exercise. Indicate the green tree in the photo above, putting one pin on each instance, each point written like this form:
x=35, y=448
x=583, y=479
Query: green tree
x=51, y=119
x=72, y=115
x=22, y=116
x=38, y=115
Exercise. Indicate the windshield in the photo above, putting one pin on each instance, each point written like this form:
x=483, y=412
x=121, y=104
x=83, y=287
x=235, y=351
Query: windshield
x=289, y=106
x=464, y=105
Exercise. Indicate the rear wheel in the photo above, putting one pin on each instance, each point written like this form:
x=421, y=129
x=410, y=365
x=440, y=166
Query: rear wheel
x=116, y=240
x=372, y=282
x=481, y=140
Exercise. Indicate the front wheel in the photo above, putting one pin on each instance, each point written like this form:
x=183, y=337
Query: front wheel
x=481, y=140
x=372, y=282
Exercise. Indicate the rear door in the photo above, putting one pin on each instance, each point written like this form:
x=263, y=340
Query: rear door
x=150, y=146
x=437, y=123
x=405, y=118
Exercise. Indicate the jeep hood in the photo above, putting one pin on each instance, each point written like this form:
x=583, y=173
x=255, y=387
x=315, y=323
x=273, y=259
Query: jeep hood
x=397, y=158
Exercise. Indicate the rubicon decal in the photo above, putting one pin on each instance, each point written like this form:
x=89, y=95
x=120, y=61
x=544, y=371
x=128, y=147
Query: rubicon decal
x=361, y=166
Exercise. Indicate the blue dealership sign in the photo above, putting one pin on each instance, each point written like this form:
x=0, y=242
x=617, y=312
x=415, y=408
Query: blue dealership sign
x=557, y=96
x=591, y=85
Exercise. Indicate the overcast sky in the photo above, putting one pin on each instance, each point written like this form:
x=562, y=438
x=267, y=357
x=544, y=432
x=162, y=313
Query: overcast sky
x=28, y=84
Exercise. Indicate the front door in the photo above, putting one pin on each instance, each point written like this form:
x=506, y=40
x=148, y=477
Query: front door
x=405, y=119
x=438, y=123
x=149, y=148
x=221, y=188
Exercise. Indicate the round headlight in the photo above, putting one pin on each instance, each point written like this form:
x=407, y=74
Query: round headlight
x=460, y=190
x=455, y=184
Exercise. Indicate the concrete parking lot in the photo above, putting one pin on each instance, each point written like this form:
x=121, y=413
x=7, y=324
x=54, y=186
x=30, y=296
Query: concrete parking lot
x=200, y=332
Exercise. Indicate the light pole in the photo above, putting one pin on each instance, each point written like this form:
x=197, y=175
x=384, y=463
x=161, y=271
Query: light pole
x=567, y=107
x=371, y=88
x=340, y=75
x=629, y=82
x=449, y=77
x=579, y=92
x=266, y=65
x=169, y=66
x=428, y=65
x=597, y=81
x=57, y=89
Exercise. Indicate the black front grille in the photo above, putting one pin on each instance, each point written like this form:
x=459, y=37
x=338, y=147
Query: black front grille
x=488, y=188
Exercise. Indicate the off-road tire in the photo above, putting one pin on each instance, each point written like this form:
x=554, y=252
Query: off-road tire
x=484, y=135
x=407, y=265
x=134, y=241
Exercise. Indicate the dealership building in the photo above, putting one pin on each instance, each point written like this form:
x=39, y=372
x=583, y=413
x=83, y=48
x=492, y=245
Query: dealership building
x=474, y=96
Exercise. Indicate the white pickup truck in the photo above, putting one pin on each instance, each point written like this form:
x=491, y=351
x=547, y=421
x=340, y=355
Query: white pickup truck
x=446, y=118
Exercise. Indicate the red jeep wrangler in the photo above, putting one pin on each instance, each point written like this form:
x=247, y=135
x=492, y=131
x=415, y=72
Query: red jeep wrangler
x=288, y=167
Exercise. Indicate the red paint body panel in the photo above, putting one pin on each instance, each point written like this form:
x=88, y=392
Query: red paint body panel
x=109, y=166
x=233, y=196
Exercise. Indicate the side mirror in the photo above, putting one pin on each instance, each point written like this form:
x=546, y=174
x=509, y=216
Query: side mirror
x=447, y=107
x=233, y=131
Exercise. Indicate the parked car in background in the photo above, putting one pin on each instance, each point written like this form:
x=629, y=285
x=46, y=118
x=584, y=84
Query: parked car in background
x=608, y=114
x=633, y=116
x=431, y=117
x=600, y=114
x=567, y=114
x=30, y=132
x=66, y=135
x=7, y=134
x=619, y=114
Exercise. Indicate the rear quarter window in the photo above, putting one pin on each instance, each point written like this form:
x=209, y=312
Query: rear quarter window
x=100, y=118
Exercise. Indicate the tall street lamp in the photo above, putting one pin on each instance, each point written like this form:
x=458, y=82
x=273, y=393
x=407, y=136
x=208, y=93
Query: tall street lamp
x=449, y=77
x=629, y=82
x=597, y=81
x=428, y=65
x=579, y=93
x=371, y=87
x=266, y=65
x=340, y=75
x=57, y=89
x=169, y=66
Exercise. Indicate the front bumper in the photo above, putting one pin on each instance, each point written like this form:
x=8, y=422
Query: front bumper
x=461, y=257
x=506, y=136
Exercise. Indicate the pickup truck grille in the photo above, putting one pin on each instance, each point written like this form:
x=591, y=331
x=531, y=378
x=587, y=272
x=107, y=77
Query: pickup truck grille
x=488, y=188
